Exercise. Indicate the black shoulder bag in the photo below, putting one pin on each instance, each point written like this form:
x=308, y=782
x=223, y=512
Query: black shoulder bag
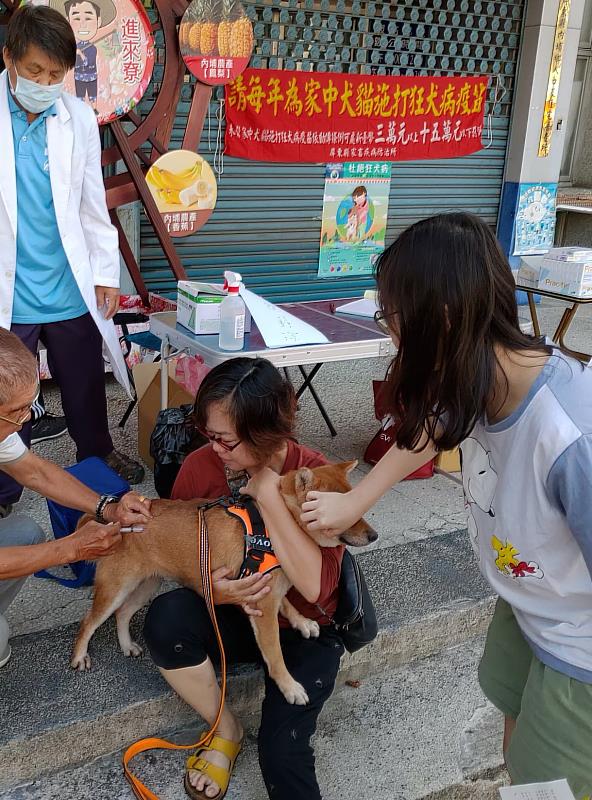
x=355, y=617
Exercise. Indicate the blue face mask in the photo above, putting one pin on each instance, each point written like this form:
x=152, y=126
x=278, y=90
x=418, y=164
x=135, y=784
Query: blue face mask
x=34, y=97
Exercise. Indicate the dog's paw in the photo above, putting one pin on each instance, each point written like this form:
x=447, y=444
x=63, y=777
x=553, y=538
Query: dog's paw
x=309, y=629
x=295, y=694
x=133, y=650
x=81, y=663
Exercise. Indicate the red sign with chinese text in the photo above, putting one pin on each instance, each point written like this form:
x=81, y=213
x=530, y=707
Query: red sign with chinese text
x=280, y=115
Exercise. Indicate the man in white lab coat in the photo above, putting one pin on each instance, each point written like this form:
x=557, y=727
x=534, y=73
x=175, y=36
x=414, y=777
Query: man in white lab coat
x=59, y=256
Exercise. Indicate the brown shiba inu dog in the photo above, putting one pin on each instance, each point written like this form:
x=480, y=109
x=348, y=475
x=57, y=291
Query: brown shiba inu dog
x=168, y=548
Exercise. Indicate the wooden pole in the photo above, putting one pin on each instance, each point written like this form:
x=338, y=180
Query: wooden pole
x=152, y=212
x=129, y=258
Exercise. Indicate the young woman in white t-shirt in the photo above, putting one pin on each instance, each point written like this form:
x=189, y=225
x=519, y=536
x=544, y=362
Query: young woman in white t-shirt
x=464, y=374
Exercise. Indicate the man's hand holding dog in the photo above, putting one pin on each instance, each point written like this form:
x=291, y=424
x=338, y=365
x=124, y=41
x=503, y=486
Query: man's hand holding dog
x=132, y=509
x=244, y=592
x=93, y=541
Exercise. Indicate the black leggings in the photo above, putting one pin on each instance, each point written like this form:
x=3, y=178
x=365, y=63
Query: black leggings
x=179, y=633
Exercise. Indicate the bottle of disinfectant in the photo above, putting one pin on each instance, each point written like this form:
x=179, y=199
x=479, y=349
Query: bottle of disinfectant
x=232, y=315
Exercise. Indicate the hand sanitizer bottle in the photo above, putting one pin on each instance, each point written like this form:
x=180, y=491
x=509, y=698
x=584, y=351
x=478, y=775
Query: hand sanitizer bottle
x=232, y=315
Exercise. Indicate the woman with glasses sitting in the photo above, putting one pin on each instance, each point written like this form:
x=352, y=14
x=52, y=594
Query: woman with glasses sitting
x=247, y=411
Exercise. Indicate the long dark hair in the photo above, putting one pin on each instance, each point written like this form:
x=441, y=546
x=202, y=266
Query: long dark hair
x=446, y=289
x=260, y=402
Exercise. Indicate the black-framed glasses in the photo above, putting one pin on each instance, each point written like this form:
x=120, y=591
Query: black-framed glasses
x=218, y=440
x=380, y=319
x=25, y=410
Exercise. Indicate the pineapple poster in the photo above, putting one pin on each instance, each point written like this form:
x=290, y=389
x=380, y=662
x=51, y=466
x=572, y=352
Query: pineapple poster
x=114, y=53
x=216, y=40
x=355, y=212
x=184, y=188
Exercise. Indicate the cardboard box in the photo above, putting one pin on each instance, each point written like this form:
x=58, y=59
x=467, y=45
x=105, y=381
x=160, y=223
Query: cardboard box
x=147, y=381
x=198, y=306
x=449, y=461
x=567, y=270
x=528, y=272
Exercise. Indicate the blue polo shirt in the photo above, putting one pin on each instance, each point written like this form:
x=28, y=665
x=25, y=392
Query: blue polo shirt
x=45, y=289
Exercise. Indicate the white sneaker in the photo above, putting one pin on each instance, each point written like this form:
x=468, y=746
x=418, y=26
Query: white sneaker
x=5, y=657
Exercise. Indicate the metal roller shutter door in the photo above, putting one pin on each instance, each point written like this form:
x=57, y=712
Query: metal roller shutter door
x=267, y=221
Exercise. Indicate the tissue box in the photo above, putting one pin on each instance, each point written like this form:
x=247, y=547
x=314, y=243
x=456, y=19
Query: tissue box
x=198, y=306
x=567, y=270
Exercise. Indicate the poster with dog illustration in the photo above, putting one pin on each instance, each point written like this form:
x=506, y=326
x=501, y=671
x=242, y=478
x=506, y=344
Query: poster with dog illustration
x=114, y=53
x=355, y=211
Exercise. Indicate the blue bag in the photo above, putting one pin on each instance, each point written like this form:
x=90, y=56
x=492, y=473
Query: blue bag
x=95, y=474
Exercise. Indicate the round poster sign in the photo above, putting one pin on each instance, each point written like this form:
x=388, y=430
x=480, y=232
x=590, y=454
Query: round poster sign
x=184, y=188
x=216, y=40
x=114, y=53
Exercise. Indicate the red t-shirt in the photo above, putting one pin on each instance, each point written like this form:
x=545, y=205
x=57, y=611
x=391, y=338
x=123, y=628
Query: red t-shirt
x=202, y=475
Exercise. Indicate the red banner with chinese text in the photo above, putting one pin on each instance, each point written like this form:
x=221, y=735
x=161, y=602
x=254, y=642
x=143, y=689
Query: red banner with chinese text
x=282, y=115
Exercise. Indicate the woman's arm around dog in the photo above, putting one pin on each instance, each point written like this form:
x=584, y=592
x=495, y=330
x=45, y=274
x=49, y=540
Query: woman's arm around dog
x=299, y=556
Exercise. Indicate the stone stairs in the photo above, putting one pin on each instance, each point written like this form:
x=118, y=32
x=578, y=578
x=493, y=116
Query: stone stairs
x=417, y=725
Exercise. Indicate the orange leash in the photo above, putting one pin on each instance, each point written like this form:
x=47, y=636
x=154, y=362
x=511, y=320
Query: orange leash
x=151, y=743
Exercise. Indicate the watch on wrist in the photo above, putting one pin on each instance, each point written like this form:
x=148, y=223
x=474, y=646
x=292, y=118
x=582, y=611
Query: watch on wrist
x=104, y=501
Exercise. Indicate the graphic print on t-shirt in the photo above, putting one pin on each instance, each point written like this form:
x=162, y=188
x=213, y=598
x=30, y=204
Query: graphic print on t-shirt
x=479, y=485
x=479, y=482
x=508, y=564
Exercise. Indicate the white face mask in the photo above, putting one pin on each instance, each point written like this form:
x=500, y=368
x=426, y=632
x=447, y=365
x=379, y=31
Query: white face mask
x=34, y=97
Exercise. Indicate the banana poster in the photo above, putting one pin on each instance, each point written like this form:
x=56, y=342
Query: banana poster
x=216, y=40
x=184, y=188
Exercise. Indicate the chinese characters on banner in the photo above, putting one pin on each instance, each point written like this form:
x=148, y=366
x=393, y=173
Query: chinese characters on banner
x=355, y=210
x=535, y=218
x=184, y=189
x=282, y=115
x=114, y=53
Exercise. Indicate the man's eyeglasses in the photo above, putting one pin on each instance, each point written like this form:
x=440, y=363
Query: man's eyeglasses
x=219, y=441
x=24, y=411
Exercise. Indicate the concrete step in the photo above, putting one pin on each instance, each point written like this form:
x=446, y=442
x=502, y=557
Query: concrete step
x=429, y=595
x=418, y=731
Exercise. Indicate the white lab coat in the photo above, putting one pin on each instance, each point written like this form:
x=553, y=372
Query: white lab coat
x=88, y=237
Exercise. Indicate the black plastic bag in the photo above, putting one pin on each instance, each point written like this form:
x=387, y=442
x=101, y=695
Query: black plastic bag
x=173, y=438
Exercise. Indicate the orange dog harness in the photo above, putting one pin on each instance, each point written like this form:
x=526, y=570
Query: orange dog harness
x=259, y=555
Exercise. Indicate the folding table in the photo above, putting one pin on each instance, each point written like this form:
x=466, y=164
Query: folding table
x=350, y=338
x=565, y=321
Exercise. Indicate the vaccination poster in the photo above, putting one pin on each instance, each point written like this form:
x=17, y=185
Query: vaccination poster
x=535, y=218
x=355, y=211
x=114, y=53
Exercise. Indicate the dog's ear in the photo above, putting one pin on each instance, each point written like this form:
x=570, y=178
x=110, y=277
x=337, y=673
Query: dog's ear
x=348, y=466
x=304, y=480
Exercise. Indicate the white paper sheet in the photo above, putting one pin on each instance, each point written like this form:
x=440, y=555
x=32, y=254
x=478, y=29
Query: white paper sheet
x=278, y=328
x=554, y=790
x=360, y=308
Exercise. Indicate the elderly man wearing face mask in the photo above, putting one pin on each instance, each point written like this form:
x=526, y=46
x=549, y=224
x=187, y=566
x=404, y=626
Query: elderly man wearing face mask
x=59, y=254
x=22, y=546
